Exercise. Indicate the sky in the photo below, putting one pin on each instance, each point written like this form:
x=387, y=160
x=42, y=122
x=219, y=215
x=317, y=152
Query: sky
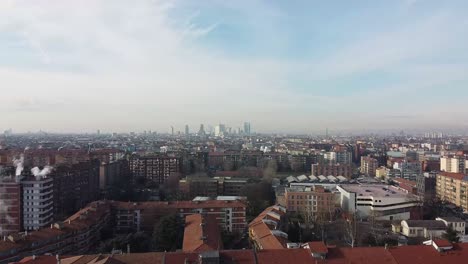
x=284, y=66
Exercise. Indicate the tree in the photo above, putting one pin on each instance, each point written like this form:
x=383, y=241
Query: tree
x=451, y=235
x=259, y=197
x=168, y=233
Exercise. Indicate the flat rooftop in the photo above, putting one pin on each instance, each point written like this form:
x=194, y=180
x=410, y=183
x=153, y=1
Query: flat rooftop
x=375, y=190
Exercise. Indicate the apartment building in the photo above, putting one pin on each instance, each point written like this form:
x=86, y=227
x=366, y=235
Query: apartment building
x=369, y=166
x=75, y=186
x=314, y=202
x=76, y=235
x=265, y=231
x=453, y=188
x=155, y=168
x=38, y=202
x=345, y=170
x=454, y=164
x=11, y=220
x=230, y=214
x=212, y=187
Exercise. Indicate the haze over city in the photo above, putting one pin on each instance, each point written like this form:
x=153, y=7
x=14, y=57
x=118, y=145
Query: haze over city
x=78, y=66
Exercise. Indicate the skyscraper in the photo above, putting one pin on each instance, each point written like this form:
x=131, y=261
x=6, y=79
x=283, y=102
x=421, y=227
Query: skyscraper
x=201, y=132
x=247, y=128
x=187, y=131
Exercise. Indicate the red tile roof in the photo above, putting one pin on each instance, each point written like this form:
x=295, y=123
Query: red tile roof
x=456, y=176
x=318, y=247
x=201, y=234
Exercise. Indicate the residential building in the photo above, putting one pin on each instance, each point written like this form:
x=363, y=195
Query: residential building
x=423, y=228
x=379, y=201
x=407, y=185
x=201, y=234
x=316, y=203
x=426, y=184
x=454, y=164
x=211, y=187
x=113, y=172
x=381, y=172
x=265, y=230
x=369, y=166
x=75, y=186
x=407, y=170
x=133, y=216
x=38, y=202
x=453, y=188
x=76, y=235
x=432, y=228
x=435, y=251
x=155, y=168
x=345, y=170
x=341, y=157
x=11, y=220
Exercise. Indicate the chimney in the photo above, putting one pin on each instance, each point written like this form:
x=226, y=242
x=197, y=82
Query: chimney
x=34, y=257
x=57, y=257
x=128, y=248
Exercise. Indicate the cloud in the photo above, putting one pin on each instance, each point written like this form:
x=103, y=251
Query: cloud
x=137, y=65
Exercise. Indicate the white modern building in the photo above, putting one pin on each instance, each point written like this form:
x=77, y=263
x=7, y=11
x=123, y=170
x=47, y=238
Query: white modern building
x=38, y=203
x=378, y=201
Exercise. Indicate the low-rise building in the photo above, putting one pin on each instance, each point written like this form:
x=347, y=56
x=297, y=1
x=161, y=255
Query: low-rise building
x=265, y=230
x=378, y=201
x=201, y=234
x=423, y=228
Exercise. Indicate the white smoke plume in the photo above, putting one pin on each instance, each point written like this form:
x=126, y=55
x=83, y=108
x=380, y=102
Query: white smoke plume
x=19, y=164
x=39, y=174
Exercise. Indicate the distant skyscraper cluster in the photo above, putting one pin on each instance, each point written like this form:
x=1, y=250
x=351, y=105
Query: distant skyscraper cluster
x=219, y=130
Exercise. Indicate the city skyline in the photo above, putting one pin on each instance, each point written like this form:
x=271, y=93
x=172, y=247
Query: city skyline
x=288, y=68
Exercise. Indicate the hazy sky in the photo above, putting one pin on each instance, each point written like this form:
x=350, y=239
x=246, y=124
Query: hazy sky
x=289, y=66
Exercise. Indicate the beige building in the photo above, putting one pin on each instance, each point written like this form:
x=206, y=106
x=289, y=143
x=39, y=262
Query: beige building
x=369, y=166
x=381, y=172
x=454, y=164
x=453, y=188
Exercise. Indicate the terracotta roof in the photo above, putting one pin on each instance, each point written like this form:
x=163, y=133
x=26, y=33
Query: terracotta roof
x=179, y=204
x=429, y=255
x=282, y=256
x=419, y=254
x=318, y=247
x=442, y=243
x=201, y=233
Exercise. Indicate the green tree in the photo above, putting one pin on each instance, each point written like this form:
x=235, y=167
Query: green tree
x=168, y=233
x=451, y=235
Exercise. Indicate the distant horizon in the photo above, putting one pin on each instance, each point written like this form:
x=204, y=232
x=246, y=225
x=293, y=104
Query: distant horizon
x=120, y=65
x=317, y=132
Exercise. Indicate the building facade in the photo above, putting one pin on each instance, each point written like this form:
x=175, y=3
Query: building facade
x=38, y=202
x=369, y=166
x=155, y=168
x=344, y=170
x=11, y=213
x=378, y=201
x=317, y=203
x=453, y=188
